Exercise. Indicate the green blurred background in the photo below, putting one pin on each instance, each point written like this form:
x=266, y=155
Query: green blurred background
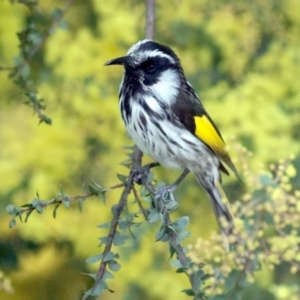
x=242, y=57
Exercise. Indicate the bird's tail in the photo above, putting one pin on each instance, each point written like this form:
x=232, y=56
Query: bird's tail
x=221, y=208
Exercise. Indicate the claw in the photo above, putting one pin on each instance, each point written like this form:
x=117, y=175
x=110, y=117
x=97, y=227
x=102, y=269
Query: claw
x=140, y=174
x=165, y=194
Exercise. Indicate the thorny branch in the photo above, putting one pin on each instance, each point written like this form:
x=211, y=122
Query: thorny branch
x=38, y=46
x=129, y=185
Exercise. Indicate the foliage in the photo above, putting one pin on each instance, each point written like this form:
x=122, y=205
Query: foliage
x=237, y=54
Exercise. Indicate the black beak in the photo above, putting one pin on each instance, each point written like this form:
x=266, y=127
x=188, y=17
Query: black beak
x=117, y=61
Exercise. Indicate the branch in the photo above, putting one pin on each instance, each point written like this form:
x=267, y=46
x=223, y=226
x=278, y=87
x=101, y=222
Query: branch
x=150, y=19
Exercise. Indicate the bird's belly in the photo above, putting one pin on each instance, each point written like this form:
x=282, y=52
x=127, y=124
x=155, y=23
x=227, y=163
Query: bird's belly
x=171, y=147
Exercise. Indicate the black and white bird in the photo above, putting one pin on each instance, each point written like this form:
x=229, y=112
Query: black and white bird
x=167, y=121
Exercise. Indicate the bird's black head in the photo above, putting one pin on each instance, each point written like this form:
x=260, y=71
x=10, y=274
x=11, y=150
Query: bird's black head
x=148, y=63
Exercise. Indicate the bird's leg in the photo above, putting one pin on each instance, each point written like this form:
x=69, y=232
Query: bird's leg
x=140, y=174
x=166, y=192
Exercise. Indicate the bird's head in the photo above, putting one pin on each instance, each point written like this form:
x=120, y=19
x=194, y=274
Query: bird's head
x=153, y=67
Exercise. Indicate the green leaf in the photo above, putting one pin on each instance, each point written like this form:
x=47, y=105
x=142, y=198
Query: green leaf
x=99, y=287
x=119, y=239
x=108, y=275
x=93, y=275
x=80, y=204
x=162, y=235
x=39, y=208
x=93, y=190
x=24, y=71
x=94, y=258
x=109, y=256
x=104, y=240
x=10, y=209
x=180, y=224
x=114, y=265
x=129, y=147
x=122, y=177
x=189, y=292
x=182, y=270
x=104, y=225
x=176, y=263
x=126, y=163
x=144, y=192
x=265, y=180
x=35, y=202
x=102, y=196
x=153, y=216
x=181, y=236
x=66, y=203
x=12, y=223
x=55, y=209
x=29, y=212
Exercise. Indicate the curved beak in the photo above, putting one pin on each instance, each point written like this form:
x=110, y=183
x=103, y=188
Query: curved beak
x=117, y=61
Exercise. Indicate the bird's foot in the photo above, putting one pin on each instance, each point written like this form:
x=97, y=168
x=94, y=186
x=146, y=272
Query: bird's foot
x=166, y=196
x=140, y=174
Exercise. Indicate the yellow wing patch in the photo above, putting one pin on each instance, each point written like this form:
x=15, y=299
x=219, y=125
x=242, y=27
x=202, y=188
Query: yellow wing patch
x=206, y=131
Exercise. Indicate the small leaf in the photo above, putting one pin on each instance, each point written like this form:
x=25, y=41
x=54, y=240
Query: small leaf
x=162, y=235
x=265, y=179
x=24, y=71
x=180, y=224
x=153, y=216
x=109, y=256
x=39, y=208
x=97, y=185
x=119, y=239
x=114, y=265
x=28, y=214
x=128, y=147
x=122, y=177
x=176, y=263
x=182, y=270
x=93, y=275
x=55, y=209
x=80, y=204
x=126, y=163
x=123, y=224
x=144, y=192
x=10, y=209
x=35, y=202
x=93, y=190
x=66, y=203
x=99, y=287
x=147, y=199
x=102, y=196
x=12, y=223
x=104, y=225
x=181, y=236
x=189, y=292
x=104, y=240
x=94, y=258
x=108, y=275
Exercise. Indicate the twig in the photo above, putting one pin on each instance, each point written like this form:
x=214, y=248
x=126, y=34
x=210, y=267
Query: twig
x=150, y=22
x=37, y=47
x=173, y=237
x=113, y=226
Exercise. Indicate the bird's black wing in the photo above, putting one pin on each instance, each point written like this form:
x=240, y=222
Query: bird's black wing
x=193, y=116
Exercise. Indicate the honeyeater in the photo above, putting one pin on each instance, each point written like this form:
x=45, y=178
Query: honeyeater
x=167, y=121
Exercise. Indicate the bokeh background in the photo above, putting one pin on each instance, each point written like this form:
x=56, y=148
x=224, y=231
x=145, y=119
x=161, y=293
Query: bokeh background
x=242, y=57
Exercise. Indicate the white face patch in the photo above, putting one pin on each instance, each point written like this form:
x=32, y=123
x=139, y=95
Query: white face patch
x=167, y=86
x=153, y=104
x=136, y=46
x=154, y=53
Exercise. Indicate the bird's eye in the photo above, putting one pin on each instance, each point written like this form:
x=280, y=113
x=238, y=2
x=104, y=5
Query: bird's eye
x=150, y=67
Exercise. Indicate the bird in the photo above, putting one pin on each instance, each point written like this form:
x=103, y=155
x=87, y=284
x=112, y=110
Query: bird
x=168, y=122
